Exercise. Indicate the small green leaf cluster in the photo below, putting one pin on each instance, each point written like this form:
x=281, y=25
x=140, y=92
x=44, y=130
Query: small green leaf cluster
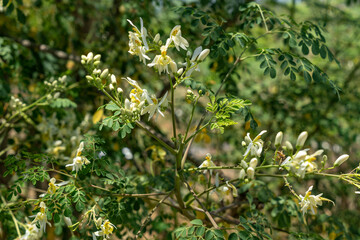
x=223, y=109
x=198, y=231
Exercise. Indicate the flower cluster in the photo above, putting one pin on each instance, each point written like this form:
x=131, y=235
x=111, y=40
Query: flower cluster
x=106, y=230
x=32, y=232
x=16, y=103
x=301, y=162
x=139, y=46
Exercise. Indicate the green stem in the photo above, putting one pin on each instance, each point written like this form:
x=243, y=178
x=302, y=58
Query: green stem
x=162, y=143
x=13, y=218
x=191, y=118
x=173, y=110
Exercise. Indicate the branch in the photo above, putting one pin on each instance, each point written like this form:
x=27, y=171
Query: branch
x=44, y=48
x=150, y=214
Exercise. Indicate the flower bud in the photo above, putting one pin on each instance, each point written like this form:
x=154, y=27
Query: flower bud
x=96, y=63
x=180, y=71
x=68, y=221
x=203, y=54
x=243, y=143
x=113, y=79
x=97, y=57
x=157, y=38
x=90, y=56
x=242, y=174
x=250, y=173
x=173, y=66
x=301, y=139
x=341, y=160
x=83, y=57
x=288, y=146
x=278, y=139
x=244, y=164
x=104, y=74
x=111, y=87
x=119, y=90
x=253, y=163
x=83, y=61
x=89, y=78
x=56, y=95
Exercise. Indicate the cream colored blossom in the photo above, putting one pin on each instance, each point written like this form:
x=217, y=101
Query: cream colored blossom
x=255, y=146
x=78, y=160
x=107, y=229
x=179, y=41
x=310, y=202
x=207, y=163
x=162, y=61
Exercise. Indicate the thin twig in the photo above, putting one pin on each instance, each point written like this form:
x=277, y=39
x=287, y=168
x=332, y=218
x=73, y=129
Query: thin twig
x=150, y=214
x=202, y=206
x=13, y=217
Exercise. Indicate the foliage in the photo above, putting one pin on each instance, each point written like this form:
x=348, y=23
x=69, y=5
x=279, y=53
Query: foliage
x=93, y=152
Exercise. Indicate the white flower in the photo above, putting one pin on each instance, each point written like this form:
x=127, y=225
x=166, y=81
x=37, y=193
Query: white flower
x=53, y=186
x=255, y=146
x=154, y=106
x=32, y=232
x=301, y=162
x=162, y=61
x=137, y=42
x=310, y=202
x=79, y=160
x=41, y=217
x=179, y=41
x=106, y=230
x=196, y=53
x=207, y=163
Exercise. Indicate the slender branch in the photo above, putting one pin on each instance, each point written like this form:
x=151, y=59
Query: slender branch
x=173, y=109
x=262, y=16
x=139, y=195
x=44, y=48
x=150, y=214
x=162, y=143
x=13, y=218
x=202, y=206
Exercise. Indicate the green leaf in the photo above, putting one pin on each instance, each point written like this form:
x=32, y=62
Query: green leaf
x=200, y=231
x=5, y=2
x=233, y=236
x=196, y=222
x=305, y=49
x=62, y=103
x=112, y=106
x=20, y=16
x=272, y=72
x=9, y=9
x=79, y=206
